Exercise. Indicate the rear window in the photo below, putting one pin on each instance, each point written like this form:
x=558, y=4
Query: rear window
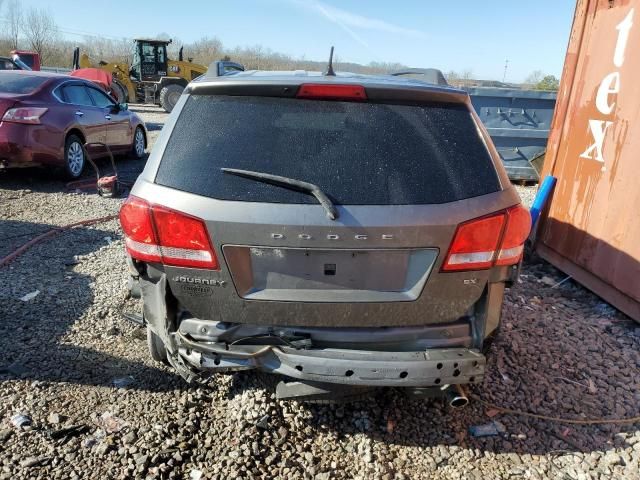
x=357, y=153
x=20, y=84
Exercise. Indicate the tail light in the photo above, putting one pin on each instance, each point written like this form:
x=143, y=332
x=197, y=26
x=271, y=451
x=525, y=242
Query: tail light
x=515, y=234
x=497, y=239
x=154, y=233
x=29, y=115
x=332, y=92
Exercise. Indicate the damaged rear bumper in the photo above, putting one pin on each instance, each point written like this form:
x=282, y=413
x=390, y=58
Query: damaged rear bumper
x=429, y=368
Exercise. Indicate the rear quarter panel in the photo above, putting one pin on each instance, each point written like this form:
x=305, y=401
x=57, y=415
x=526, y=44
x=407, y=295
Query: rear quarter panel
x=44, y=143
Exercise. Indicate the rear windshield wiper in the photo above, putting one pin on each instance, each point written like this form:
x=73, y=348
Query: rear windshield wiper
x=290, y=183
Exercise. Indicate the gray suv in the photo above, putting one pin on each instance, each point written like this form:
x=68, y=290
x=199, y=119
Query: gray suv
x=347, y=232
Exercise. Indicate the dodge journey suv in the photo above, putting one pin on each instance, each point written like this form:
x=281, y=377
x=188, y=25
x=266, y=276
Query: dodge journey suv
x=344, y=231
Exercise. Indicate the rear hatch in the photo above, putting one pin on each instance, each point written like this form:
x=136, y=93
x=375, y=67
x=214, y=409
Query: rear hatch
x=402, y=175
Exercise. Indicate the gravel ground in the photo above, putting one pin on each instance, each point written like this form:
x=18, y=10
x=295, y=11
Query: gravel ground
x=69, y=359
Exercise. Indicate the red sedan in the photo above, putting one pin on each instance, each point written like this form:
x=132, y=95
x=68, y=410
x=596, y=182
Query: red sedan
x=47, y=118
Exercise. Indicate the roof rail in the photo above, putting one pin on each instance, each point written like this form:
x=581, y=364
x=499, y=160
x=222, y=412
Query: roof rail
x=222, y=67
x=431, y=75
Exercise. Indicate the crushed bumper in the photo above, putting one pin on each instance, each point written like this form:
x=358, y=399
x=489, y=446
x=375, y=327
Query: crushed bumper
x=428, y=368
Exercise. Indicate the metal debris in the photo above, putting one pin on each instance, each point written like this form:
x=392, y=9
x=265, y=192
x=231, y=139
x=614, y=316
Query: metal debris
x=487, y=430
x=30, y=296
x=21, y=420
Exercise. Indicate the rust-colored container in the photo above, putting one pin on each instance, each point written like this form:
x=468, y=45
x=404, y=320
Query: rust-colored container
x=591, y=230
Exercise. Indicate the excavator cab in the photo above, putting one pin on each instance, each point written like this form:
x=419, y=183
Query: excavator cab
x=149, y=60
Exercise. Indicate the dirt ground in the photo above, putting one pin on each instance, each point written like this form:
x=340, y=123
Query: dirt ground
x=68, y=358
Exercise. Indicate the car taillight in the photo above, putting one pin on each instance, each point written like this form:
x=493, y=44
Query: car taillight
x=29, y=115
x=332, y=92
x=140, y=236
x=155, y=233
x=496, y=239
x=515, y=234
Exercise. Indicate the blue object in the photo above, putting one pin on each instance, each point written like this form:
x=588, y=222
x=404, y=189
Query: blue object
x=542, y=197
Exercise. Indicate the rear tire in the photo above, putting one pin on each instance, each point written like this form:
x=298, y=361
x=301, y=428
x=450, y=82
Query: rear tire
x=139, y=143
x=119, y=91
x=74, y=157
x=157, y=350
x=169, y=96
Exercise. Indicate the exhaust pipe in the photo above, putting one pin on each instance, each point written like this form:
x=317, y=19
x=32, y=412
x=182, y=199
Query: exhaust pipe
x=456, y=396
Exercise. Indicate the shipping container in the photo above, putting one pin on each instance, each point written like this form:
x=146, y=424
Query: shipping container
x=518, y=122
x=591, y=229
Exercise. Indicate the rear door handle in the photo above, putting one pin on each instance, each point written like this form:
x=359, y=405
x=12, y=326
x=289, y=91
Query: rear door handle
x=79, y=113
x=108, y=117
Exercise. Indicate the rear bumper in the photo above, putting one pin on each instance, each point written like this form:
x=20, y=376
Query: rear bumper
x=427, y=368
x=27, y=146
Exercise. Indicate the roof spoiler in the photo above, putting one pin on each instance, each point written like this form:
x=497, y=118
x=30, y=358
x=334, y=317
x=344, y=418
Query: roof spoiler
x=431, y=75
x=223, y=67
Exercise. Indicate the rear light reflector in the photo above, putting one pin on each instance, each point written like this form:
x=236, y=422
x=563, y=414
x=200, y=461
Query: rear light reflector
x=143, y=251
x=332, y=92
x=30, y=115
x=494, y=240
x=158, y=234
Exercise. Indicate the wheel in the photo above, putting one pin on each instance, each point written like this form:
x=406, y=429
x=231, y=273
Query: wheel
x=157, y=349
x=74, y=156
x=139, y=143
x=119, y=91
x=169, y=96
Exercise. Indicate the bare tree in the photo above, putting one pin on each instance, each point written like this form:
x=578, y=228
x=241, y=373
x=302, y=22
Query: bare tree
x=204, y=51
x=452, y=77
x=41, y=32
x=14, y=23
x=108, y=50
x=534, y=77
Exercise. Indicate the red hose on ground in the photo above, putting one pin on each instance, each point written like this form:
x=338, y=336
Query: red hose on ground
x=20, y=250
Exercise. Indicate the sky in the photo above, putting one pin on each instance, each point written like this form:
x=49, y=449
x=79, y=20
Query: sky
x=452, y=35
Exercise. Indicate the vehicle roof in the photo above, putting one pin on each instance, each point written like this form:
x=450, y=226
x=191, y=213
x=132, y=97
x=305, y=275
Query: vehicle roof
x=53, y=79
x=33, y=73
x=152, y=40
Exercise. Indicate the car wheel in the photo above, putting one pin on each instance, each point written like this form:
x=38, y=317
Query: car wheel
x=169, y=96
x=139, y=143
x=157, y=350
x=74, y=156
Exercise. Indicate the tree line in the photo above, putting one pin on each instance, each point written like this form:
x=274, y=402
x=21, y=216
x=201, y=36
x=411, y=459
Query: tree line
x=35, y=29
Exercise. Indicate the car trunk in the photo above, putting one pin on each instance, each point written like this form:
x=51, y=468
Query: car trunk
x=402, y=177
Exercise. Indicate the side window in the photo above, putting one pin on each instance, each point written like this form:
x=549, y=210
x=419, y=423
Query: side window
x=148, y=54
x=78, y=95
x=100, y=99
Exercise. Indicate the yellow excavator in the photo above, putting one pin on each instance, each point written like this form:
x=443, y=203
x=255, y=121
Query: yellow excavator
x=151, y=77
